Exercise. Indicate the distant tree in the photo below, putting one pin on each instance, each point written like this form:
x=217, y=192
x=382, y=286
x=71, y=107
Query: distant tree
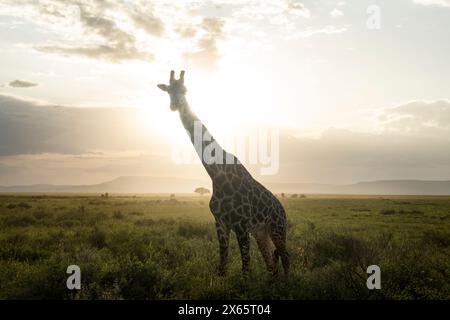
x=172, y=196
x=294, y=195
x=302, y=196
x=283, y=195
x=202, y=191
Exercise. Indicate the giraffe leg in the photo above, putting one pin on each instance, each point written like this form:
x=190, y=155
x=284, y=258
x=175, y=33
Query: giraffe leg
x=263, y=241
x=243, y=239
x=279, y=240
x=223, y=234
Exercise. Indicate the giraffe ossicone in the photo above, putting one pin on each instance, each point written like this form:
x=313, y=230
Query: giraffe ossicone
x=239, y=203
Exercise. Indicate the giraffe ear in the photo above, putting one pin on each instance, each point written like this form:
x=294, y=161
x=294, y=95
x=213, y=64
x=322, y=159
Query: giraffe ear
x=163, y=87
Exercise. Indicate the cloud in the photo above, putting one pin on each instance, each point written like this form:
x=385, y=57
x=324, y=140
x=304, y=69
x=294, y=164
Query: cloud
x=117, y=31
x=186, y=32
x=336, y=13
x=310, y=31
x=145, y=18
x=28, y=128
x=206, y=54
x=22, y=84
x=419, y=118
x=45, y=143
x=272, y=10
x=297, y=8
x=109, y=53
x=441, y=3
x=119, y=45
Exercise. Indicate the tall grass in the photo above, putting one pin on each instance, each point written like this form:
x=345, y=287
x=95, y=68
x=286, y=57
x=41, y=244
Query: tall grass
x=156, y=248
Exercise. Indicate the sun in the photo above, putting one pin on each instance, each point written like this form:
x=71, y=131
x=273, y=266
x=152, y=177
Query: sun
x=225, y=101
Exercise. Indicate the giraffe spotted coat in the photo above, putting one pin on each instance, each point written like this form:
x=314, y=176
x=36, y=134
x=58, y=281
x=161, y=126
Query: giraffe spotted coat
x=239, y=203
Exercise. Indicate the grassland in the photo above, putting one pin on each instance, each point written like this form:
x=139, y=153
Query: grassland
x=154, y=247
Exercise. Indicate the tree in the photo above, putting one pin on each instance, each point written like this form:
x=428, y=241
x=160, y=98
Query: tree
x=202, y=191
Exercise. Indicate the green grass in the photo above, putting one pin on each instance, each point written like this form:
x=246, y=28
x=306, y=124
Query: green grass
x=154, y=247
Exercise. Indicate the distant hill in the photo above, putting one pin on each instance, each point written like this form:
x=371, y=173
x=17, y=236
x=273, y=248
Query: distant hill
x=119, y=185
x=177, y=185
x=386, y=187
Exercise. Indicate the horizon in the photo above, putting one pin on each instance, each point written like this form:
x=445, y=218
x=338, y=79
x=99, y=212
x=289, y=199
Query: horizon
x=147, y=185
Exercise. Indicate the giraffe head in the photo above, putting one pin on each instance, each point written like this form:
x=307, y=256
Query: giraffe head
x=176, y=90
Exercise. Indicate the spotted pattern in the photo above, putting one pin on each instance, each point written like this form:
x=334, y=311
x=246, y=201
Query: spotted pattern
x=239, y=203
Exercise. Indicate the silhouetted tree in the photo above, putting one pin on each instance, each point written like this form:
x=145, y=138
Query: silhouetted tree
x=202, y=191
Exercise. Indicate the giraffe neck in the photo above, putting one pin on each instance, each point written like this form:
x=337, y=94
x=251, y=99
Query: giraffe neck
x=203, y=142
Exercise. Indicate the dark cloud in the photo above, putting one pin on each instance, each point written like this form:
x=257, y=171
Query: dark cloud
x=22, y=84
x=27, y=128
x=337, y=156
x=207, y=54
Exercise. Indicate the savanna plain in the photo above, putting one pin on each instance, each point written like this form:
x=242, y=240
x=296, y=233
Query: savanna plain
x=165, y=247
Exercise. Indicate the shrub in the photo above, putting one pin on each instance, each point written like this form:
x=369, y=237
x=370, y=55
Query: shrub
x=21, y=219
x=118, y=215
x=191, y=230
x=136, y=213
x=97, y=238
x=24, y=205
x=138, y=280
x=439, y=238
x=41, y=215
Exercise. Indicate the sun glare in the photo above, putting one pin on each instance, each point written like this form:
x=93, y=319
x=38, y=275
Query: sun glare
x=228, y=99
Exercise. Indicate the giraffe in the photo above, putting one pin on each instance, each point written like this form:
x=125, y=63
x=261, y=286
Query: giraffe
x=238, y=203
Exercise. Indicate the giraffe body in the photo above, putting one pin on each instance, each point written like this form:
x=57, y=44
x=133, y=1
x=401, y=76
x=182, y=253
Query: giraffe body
x=239, y=203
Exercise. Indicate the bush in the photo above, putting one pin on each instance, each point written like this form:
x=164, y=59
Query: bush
x=42, y=215
x=138, y=280
x=97, y=238
x=21, y=219
x=118, y=215
x=439, y=238
x=24, y=205
x=136, y=213
x=192, y=230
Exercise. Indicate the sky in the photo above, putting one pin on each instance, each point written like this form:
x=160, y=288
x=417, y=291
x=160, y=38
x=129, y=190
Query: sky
x=358, y=88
